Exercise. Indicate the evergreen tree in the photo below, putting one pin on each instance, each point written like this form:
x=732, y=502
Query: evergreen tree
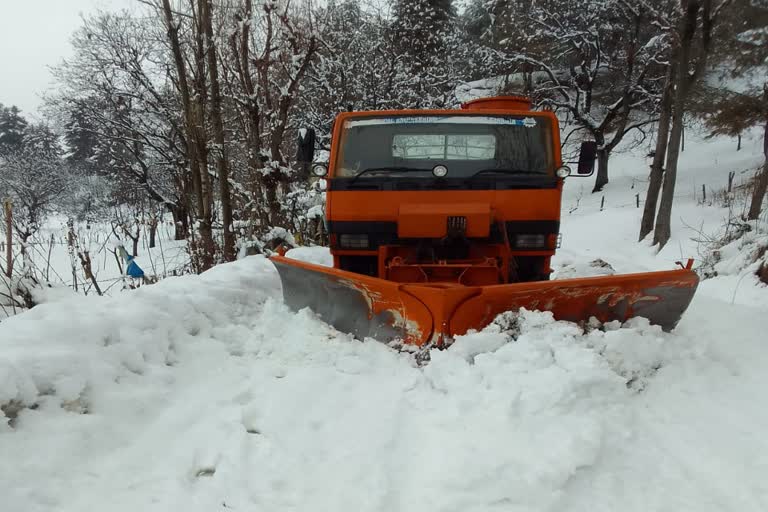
x=80, y=138
x=12, y=126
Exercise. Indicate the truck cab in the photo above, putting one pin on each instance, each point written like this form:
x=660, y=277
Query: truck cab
x=470, y=196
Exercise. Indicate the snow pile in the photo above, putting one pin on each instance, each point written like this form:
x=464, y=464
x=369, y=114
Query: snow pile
x=215, y=393
x=483, y=88
x=569, y=268
x=8, y=302
x=316, y=255
x=316, y=212
x=206, y=393
x=747, y=254
x=277, y=235
x=51, y=292
x=61, y=353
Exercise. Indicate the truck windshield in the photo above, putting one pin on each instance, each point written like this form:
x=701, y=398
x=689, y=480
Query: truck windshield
x=468, y=145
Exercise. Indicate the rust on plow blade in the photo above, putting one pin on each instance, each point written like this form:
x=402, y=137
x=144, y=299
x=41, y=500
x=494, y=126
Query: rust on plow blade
x=431, y=313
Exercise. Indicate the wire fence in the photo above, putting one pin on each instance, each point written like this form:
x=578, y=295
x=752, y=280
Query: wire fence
x=57, y=255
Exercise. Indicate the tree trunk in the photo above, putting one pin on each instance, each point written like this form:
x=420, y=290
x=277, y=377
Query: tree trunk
x=252, y=125
x=270, y=189
x=152, y=233
x=195, y=132
x=663, y=229
x=180, y=224
x=8, y=209
x=761, y=184
x=657, y=167
x=602, y=170
x=182, y=230
x=85, y=261
x=758, y=194
x=682, y=139
x=207, y=247
x=218, y=134
x=683, y=82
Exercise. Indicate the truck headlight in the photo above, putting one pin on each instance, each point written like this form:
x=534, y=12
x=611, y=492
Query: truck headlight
x=527, y=241
x=353, y=241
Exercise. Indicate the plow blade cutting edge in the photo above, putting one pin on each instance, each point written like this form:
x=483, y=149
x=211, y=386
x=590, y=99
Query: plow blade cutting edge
x=431, y=313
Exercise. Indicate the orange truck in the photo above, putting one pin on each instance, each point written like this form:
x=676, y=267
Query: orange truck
x=439, y=220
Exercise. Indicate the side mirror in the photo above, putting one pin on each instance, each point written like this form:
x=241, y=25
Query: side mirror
x=305, y=147
x=587, y=158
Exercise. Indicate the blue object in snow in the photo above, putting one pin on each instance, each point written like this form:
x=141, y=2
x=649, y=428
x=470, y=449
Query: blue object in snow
x=133, y=269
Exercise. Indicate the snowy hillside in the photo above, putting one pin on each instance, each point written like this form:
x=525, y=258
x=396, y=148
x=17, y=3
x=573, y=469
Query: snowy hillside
x=206, y=393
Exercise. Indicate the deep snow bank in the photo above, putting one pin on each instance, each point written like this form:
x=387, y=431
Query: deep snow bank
x=206, y=393
x=63, y=350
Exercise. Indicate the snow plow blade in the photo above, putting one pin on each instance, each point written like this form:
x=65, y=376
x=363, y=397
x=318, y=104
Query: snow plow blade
x=432, y=313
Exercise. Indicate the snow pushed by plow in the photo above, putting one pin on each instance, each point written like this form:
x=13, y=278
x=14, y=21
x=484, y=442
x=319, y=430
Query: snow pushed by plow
x=208, y=394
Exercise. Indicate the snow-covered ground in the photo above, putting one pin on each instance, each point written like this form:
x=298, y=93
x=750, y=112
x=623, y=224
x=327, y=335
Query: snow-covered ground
x=55, y=261
x=206, y=393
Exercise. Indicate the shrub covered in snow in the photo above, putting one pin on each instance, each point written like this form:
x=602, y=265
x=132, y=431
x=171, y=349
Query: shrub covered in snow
x=741, y=249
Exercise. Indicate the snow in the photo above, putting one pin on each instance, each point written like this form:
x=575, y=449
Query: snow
x=52, y=261
x=568, y=269
x=316, y=211
x=750, y=81
x=281, y=234
x=316, y=255
x=207, y=393
x=488, y=87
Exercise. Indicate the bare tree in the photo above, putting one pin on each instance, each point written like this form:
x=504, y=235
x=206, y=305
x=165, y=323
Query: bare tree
x=120, y=114
x=194, y=124
x=34, y=180
x=268, y=60
x=697, y=18
x=657, y=167
x=222, y=164
x=599, y=63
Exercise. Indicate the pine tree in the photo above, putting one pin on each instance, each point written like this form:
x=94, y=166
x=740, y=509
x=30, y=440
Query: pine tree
x=81, y=139
x=12, y=126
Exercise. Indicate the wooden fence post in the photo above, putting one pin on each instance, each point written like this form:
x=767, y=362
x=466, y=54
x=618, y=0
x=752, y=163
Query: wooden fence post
x=8, y=208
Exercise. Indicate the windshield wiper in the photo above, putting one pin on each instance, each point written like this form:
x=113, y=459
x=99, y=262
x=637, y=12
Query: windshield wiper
x=506, y=171
x=380, y=169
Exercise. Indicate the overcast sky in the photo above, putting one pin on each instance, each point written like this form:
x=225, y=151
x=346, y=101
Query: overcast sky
x=35, y=34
